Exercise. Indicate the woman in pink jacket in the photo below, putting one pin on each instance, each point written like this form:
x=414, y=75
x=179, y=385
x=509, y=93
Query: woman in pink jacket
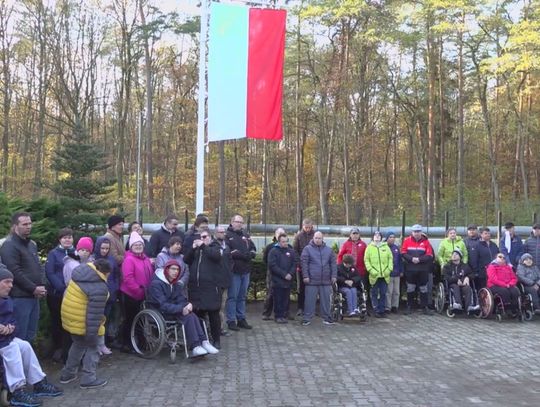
x=502, y=280
x=137, y=272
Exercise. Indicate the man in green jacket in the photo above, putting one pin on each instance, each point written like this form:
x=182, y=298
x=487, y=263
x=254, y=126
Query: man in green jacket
x=448, y=245
x=379, y=263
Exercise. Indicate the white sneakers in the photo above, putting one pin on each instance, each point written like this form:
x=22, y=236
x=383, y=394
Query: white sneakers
x=199, y=351
x=208, y=347
x=456, y=306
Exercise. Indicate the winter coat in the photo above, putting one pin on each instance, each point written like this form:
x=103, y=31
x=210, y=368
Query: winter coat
x=84, y=302
x=204, y=269
x=70, y=264
x=318, y=264
x=447, y=246
x=379, y=262
x=282, y=261
x=160, y=239
x=165, y=256
x=168, y=298
x=114, y=277
x=500, y=275
x=242, y=250
x=471, y=245
x=117, y=246
x=301, y=240
x=528, y=276
x=420, y=248
x=226, y=274
x=452, y=272
x=482, y=257
x=532, y=246
x=357, y=250
x=397, y=269
x=54, y=267
x=20, y=256
x=516, y=249
x=351, y=273
x=6, y=317
x=147, y=248
x=137, y=272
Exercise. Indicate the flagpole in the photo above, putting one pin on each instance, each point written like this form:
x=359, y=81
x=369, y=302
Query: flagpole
x=199, y=203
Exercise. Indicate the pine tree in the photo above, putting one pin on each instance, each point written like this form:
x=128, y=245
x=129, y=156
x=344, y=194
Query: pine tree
x=81, y=193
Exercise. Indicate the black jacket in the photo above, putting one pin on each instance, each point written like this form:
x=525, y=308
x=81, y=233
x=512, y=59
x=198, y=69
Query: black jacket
x=242, y=250
x=282, y=261
x=344, y=273
x=21, y=258
x=225, y=276
x=160, y=239
x=482, y=256
x=204, y=270
x=454, y=272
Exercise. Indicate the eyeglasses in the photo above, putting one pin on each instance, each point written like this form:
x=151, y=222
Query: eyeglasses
x=204, y=236
x=500, y=257
x=174, y=268
x=354, y=233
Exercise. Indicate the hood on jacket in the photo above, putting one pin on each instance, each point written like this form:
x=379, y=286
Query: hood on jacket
x=525, y=257
x=163, y=274
x=87, y=272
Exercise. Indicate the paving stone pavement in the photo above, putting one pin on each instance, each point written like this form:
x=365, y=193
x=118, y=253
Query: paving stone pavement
x=412, y=360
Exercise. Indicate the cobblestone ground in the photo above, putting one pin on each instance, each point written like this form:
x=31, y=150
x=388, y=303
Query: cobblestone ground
x=412, y=360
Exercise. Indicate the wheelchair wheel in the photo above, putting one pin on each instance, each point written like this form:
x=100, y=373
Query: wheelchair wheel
x=450, y=313
x=440, y=299
x=528, y=315
x=485, y=299
x=148, y=333
x=4, y=397
x=172, y=355
x=499, y=317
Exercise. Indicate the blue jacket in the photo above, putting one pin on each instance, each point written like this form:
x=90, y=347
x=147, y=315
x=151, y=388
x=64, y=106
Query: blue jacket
x=318, y=264
x=6, y=317
x=516, y=250
x=166, y=297
x=53, y=270
x=113, y=280
x=398, y=264
x=282, y=261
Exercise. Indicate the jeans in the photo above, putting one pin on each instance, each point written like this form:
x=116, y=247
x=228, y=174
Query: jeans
x=462, y=292
x=351, y=295
x=378, y=295
x=236, y=297
x=281, y=301
x=26, y=313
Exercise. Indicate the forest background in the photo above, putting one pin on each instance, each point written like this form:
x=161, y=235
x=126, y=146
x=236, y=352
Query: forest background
x=425, y=106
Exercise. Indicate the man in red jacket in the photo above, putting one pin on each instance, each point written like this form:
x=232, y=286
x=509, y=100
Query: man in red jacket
x=418, y=256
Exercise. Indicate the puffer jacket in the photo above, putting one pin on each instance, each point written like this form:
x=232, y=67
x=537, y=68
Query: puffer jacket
x=379, y=262
x=500, y=275
x=532, y=246
x=54, y=267
x=137, y=272
x=84, y=302
x=282, y=261
x=318, y=264
x=527, y=276
x=447, y=246
x=420, y=248
x=357, y=250
x=168, y=298
x=453, y=272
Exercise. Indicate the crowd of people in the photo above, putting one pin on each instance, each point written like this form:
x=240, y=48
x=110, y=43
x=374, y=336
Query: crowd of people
x=95, y=289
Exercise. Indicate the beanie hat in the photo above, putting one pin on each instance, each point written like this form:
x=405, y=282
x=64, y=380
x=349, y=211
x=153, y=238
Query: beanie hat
x=389, y=234
x=5, y=273
x=114, y=220
x=135, y=238
x=166, y=271
x=525, y=257
x=458, y=252
x=85, y=243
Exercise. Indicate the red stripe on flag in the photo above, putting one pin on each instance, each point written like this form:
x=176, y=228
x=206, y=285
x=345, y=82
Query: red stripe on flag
x=266, y=51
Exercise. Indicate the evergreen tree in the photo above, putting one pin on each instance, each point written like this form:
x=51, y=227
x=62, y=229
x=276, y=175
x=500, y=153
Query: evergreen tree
x=81, y=192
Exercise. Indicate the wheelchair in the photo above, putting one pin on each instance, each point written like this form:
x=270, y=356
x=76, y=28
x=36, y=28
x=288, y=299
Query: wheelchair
x=444, y=299
x=526, y=303
x=150, y=332
x=338, y=302
x=4, y=391
x=493, y=304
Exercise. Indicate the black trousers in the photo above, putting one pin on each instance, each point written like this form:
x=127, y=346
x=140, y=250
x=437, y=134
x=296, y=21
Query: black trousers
x=61, y=339
x=281, y=301
x=130, y=308
x=508, y=295
x=215, y=322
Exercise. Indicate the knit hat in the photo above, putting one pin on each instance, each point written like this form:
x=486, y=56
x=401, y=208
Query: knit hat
x=85, y=243
x=525, y=257
x=389, y=234
x=135, y=238
x=4, y=272
x=166, y=271
x=458, y=252
x=472, y=226
x=354, y=230
x=114, y=220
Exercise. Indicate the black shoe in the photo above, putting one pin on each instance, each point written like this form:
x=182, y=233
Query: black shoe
x=46, y=389
x=95, y=384
x=232, y=326
x=243, y=324
x=408, y=310
x=394, y=310
x=377, y=315
x=216, y=344
x=427, y=311
x=25, y=399
x=128, y=349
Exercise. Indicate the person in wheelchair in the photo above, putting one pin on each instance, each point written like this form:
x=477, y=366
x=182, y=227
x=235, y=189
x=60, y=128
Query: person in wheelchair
x=502, y=281
x=458, y=276
x=529, y=275
x=349, y=284
x=21, y=365
x=166, y=295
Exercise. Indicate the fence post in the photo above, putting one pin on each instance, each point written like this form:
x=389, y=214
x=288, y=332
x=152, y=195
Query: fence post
x=216, y=212
x=186, y=214
x=534, y=218
x=249, y=222
x=402, y=225
x=446, y=220
x=378, y=220
x=301, y=219
x=499, y=225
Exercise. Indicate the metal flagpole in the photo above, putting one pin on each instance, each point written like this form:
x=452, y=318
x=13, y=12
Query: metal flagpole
x=138, y=195
x=199, y=204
